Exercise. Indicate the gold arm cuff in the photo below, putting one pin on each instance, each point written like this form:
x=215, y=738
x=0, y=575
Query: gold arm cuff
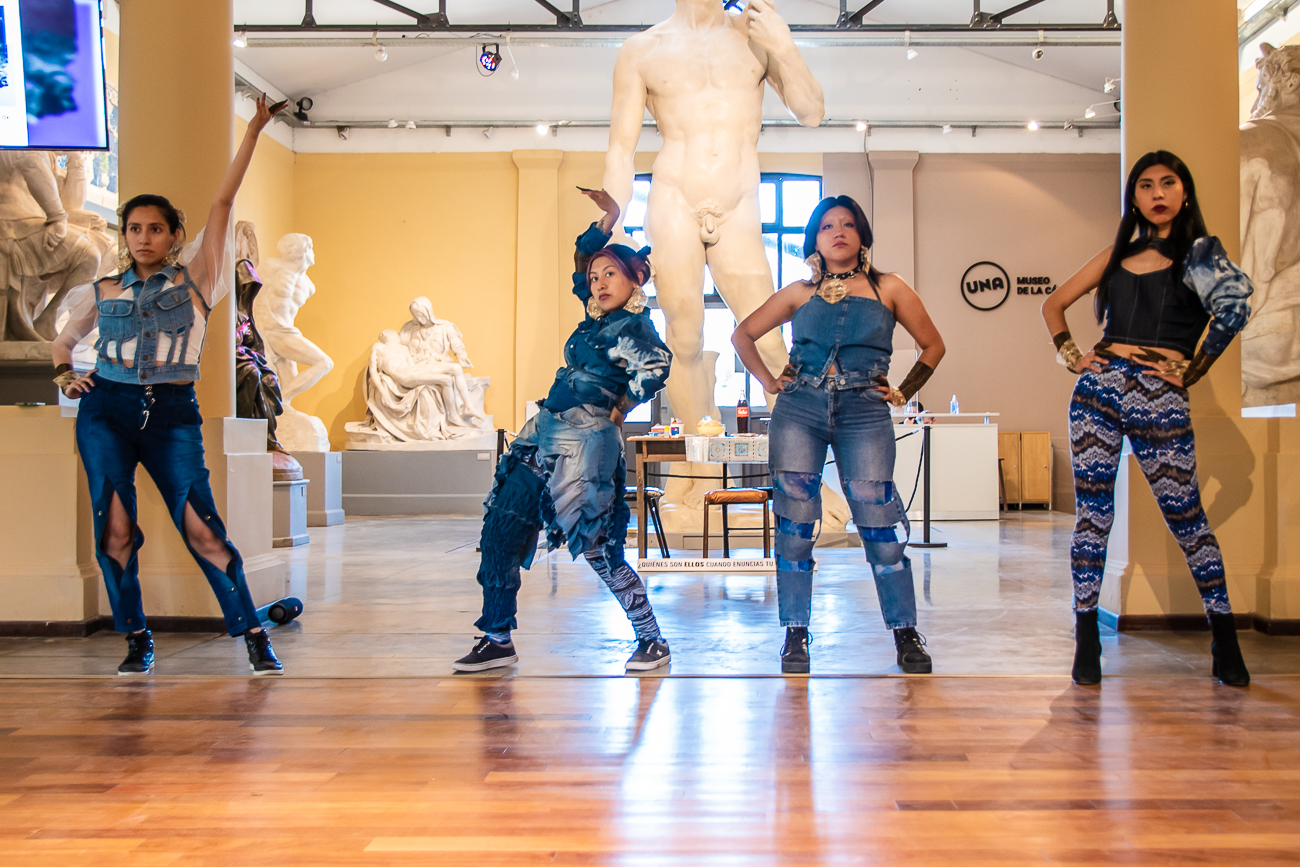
x=65, y=379
x=897, y=398
x=1177, y=368
x=1069, y=354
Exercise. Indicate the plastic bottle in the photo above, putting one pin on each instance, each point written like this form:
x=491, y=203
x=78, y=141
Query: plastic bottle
x=742, y=416
x=952, y=406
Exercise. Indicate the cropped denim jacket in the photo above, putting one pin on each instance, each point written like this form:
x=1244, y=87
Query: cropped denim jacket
x=154, y=334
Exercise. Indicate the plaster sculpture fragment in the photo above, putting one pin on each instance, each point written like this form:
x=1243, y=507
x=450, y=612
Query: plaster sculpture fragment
x=298, y=362
x=417, y=394
x=1270, y=232
x=702, y=75
x=49, y=243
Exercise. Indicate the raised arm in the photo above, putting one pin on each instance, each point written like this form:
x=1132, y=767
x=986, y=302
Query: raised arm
x=626, y=116
x=206, y=266
x=787, y=72
x=775, y=312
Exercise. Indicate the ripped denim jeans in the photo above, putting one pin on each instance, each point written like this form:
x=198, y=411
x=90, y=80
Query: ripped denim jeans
x=855, y=423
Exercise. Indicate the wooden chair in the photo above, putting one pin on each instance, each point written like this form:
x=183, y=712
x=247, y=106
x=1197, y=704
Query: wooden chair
x=737, y=496
x=652, y=497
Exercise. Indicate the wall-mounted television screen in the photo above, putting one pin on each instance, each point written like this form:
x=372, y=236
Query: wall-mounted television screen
x=52, y=75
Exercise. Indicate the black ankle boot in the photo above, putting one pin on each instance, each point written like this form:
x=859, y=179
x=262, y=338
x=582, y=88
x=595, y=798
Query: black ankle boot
x=912, y=658
x=1087, y=649
x=1228, y=667
x=795, y=658
x=261, y=658
x=139, y=653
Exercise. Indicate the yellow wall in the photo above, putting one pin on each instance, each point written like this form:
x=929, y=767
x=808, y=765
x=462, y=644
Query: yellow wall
x=391, y=227
x=266, y=197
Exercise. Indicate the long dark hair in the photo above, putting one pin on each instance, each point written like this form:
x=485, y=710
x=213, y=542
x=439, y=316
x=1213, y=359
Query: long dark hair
x=860, y=222
x=1183, y=232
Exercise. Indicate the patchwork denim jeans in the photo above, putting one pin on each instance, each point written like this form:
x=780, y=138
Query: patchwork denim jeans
x=855, y=423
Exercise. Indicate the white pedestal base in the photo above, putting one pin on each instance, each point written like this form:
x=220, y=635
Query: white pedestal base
x=324, y=471
x=289, y=524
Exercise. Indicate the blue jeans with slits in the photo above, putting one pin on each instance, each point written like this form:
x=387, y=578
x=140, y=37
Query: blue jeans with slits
x=855, y=422
x=120, y=426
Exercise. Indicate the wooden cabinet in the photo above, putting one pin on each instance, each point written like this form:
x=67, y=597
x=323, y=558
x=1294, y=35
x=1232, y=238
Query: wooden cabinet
x=1026, y=461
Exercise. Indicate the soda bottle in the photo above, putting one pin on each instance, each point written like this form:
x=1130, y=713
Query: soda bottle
x=742, y=416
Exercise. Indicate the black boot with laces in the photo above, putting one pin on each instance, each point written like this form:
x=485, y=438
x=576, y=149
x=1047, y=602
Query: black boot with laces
x=795, y=658
x=912, y=657
x=261, y=658
x=139, y=653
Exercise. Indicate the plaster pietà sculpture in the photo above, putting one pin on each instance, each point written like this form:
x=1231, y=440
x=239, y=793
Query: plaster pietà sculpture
x=298, y=362
x=417, y=394
x=702, y=75
x=1270, y=232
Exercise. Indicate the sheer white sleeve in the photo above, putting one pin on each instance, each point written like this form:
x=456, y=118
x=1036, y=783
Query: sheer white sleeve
x=211, y=266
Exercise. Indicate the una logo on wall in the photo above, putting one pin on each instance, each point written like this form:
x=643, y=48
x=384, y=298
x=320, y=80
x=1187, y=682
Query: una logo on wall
x=985, y=286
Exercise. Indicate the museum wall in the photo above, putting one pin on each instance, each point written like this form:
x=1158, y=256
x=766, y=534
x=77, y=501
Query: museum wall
x=266, y=198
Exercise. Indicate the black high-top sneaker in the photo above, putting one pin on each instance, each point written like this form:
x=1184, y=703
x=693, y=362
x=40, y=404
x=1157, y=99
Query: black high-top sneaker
x=1229, y=667
x=139, y=653
x=649, y=655
x=1087, y=649
x=261, y=658
x=912, y=657
x=487, y=654
x=795, y=658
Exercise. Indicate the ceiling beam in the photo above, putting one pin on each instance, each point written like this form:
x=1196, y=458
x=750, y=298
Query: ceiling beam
x=1015, y=10
x=561, y=19
x=637, y=28
x=856, y=17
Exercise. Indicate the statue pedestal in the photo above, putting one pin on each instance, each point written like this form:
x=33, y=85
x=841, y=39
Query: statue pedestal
x=325, y=489
x=289, y=521
x=50, y=582
x=448, y=480
x=26, y=374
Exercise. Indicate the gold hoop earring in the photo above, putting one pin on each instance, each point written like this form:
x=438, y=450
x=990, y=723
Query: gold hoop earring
x=593, y=308
x=814, y=263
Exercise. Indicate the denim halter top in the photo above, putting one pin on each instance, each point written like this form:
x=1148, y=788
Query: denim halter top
x=855, y=335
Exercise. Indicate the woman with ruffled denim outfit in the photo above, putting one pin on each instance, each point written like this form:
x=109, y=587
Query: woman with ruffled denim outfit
x=1158, y=287
x=835, y=393
x=565, y=472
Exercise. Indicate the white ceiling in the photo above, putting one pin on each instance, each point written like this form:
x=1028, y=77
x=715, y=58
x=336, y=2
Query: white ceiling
x=431, y=82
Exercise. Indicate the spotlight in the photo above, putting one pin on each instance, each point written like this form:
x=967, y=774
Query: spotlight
x=860, y=126
x=1090, y=112
x=489, y=57
x=542, y=129
x=1033, y=126
x=343, y=131
x=410, y=124
x=381, y=54
x=392, y=123
x=240, y=40
x=1037, y=53
x=912, y=54
x=304, y=105
x=1110, y=85
x=947, y=128
x=1068, y=125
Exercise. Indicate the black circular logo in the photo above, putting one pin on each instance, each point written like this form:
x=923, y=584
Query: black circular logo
x=985, y=286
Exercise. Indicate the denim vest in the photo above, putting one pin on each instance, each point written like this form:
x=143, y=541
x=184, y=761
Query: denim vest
x=156, y=328
x=855, y=335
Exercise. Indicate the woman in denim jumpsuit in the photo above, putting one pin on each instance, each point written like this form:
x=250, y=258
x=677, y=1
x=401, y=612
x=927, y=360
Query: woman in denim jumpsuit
x=565, y=472
x=835, y=393
x=138, y=406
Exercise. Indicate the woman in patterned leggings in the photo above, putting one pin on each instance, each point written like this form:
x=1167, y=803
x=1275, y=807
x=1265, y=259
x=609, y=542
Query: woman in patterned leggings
x=1164, y=280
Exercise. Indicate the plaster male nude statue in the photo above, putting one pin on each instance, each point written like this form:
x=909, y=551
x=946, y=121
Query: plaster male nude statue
x=701, y=74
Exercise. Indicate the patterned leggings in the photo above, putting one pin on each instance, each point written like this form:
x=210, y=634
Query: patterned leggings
x=1124, y=400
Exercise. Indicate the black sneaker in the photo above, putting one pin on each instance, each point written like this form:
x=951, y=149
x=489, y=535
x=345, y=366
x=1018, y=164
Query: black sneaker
x=139, y=654
x=261, y=658
x=912, y=657
x=487, y=654
x=795, y=658
x=649, y=655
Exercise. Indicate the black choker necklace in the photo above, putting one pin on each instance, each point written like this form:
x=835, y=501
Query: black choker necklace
x=846, y=275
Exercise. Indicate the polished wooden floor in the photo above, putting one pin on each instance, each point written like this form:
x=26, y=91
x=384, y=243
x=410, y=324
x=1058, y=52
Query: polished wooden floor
x=648, y=771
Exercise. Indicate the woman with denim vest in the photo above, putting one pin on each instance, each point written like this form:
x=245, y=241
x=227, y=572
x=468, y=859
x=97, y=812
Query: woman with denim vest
x=138, y=404
x=565, y=471
x=834, y=392
x=1158, y=287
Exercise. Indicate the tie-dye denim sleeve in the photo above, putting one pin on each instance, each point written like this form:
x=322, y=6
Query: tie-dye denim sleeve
x=1223, y=288
x=587, y=245
x=639, y=350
